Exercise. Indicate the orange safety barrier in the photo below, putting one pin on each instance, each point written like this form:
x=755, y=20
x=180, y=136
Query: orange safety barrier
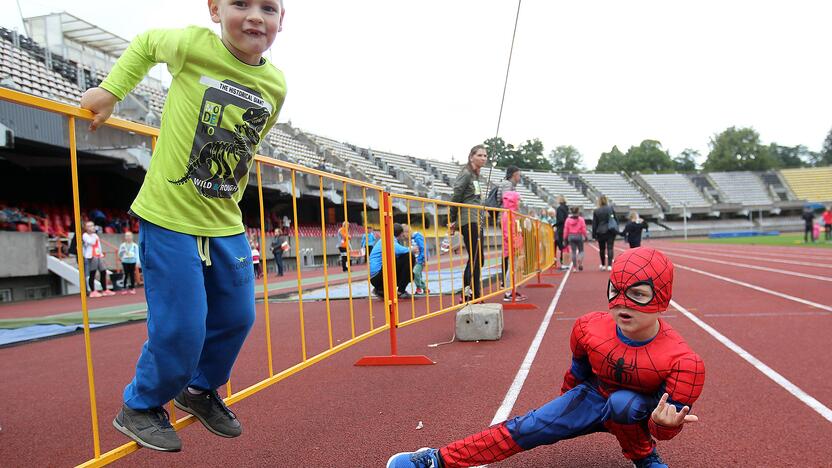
x=524, y=260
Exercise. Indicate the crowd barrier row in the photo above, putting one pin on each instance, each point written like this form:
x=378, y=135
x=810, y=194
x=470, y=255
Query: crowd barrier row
x=509, y=242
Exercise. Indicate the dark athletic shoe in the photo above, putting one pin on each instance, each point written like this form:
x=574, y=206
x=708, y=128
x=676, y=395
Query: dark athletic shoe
x=209, y=408
x=149, y=428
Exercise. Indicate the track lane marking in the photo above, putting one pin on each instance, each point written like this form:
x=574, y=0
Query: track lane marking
x=767, y=259
x=520, y=378
x=755, y=267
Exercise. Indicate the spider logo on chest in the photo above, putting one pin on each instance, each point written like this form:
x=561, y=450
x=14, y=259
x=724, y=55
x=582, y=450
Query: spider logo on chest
x=618, y=369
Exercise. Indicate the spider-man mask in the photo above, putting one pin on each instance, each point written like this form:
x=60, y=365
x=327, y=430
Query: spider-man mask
x=641, y=279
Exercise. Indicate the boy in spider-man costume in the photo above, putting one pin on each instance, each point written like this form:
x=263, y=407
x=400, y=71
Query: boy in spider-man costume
x=632, y=375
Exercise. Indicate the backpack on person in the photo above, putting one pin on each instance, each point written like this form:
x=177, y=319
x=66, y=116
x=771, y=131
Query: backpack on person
x=494, y=200
x=612, y=224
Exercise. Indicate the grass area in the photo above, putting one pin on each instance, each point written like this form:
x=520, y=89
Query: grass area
x=788, y=240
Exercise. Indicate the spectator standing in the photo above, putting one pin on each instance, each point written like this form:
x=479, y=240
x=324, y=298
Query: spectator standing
x=94, y=260
x=604, y=230
x=280, y=244
x=344, y=244
x=560, y=221
x=468, y=190
x=574, y=231
x=827, y=221
x=128, y=253
x=809, y=221
x=632, y=230
x=511, y=201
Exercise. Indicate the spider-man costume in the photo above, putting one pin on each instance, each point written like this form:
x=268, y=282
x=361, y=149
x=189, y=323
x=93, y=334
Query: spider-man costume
x=614, y=383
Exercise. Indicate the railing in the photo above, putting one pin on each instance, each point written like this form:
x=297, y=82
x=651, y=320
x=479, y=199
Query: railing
x=527, y=251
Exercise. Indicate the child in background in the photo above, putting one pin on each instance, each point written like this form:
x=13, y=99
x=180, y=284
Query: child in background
x=418, y=240
x=255, y=259
x=575, y=233
x=632, y=375
x=94, y=260
x=199, y=279
x=128, y=252
x=344, y=243
x=632, y=230
x=511, y=200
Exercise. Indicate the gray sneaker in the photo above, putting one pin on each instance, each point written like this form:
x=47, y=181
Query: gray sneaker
x=209, y=408
x=149, y=428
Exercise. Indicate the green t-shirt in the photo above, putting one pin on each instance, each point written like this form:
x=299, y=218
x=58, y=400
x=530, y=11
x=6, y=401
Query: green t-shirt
x=217, y=111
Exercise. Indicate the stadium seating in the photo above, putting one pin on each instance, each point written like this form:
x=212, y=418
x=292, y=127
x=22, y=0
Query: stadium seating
x=362, y=164
x=742, y=187
x=416, y=169
x=296, y=151
x=675, y=190
x=554, y=184
x=812, y=184
x=618, y=190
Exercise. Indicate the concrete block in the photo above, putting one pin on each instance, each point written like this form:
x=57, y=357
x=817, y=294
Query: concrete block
x=476, y=322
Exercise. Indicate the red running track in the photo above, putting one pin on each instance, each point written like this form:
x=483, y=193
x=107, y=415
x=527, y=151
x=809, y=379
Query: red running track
x=334, y=414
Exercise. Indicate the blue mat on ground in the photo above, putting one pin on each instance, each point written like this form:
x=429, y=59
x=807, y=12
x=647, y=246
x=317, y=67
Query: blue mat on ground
x=17, y=335
x=361, y=288
x=721, y=235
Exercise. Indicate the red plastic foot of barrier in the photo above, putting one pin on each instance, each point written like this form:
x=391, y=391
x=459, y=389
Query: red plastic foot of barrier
x=396, y=360
x=540, y=285
x=519, y=306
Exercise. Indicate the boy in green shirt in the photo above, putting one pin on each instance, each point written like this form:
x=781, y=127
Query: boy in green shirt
x=197, y=264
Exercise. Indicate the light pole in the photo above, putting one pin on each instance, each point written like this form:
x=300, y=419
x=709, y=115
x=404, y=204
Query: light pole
x=685, y=218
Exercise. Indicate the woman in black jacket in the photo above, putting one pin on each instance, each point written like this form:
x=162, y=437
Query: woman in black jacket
x=604, y=232
x=468, y=190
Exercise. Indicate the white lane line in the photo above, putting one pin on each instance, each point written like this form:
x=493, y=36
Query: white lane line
x=758, y=288
x=754, y=267
x=816, y=254
x=514, y=390
x=810, y=401
x=770, y=314
x=766, y=258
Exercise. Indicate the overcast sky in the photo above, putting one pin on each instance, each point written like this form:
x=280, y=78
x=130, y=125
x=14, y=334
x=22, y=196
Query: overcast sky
x=425, y=78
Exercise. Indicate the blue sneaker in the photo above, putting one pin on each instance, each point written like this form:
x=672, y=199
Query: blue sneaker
x=422, y=458
x=650, y=461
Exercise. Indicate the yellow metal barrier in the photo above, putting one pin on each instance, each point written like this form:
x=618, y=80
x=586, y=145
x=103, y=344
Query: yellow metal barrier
x=527, y=250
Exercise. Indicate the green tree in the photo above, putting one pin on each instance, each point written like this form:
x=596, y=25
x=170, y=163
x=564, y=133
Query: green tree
x=612, y=161
x=686, y=161
x=566, y=159
x=824, y=158
x=527, y=156
x=790, y=156
x=647, y=156
x=738, y=149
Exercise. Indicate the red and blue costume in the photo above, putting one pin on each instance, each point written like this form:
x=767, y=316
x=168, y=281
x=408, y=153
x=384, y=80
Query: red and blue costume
x=613, y=384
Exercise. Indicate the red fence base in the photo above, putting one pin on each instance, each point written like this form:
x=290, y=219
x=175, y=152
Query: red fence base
x=519, y=306
x=540, y=285
x=394, y=360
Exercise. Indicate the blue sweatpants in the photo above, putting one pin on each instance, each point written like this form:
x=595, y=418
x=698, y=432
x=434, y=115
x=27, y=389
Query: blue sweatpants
x=579, y=411
x=200, y=308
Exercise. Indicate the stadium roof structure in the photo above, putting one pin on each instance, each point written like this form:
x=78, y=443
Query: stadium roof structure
x=88, y=34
